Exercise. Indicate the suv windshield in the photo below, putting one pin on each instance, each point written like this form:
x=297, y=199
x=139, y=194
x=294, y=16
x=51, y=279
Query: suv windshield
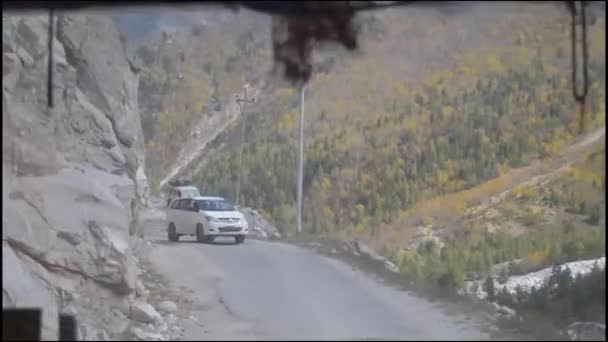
x=214, y=205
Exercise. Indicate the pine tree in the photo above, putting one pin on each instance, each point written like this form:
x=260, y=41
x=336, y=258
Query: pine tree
x=504, y=276
x=594, y=216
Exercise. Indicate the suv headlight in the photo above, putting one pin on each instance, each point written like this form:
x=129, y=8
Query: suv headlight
x=211, y=219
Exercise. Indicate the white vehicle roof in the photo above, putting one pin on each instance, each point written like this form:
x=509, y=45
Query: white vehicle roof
x=208, y=198
x=188, y=187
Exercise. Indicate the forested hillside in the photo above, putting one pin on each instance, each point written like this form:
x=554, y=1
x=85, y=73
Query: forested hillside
x=557, y=218
x=425, y=111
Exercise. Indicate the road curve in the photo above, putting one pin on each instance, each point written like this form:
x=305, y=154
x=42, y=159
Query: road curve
x=287, y=292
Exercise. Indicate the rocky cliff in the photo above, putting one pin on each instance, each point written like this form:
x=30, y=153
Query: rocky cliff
x=73, y=177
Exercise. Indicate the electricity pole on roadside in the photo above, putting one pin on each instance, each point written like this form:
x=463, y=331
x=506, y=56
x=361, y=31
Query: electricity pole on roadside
x=301, y=160
x=240, y=102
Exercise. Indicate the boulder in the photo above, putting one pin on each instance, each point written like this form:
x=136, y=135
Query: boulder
x=167, y=307
x=146, y=335
x=140, y=290
x=391, y=267
x=171, y=318
x=261, y=232
x=587, y=331
x=367, y=251
x=89, y=333
x=120, y=322
x=259, y=226
x=145, y=313
x=491, y=214
x=26, y=59
x=503, y=310
x=11, y=65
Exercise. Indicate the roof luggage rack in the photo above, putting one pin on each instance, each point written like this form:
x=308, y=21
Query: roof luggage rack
x=180, y=182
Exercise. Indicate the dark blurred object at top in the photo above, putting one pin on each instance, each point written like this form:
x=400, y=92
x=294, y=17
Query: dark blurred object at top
x=293, y=39
x=296, y=25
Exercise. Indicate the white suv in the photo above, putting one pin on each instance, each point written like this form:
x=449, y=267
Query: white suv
x=205, y=218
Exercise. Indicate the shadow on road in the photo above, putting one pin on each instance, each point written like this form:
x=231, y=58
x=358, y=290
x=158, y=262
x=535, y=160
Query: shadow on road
x=227, y=242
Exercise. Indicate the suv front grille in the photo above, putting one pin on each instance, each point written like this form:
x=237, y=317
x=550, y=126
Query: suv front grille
x=229, y=229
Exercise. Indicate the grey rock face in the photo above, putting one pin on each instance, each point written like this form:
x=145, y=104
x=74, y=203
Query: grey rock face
x=22, y=288
x=73, y=180
x=87, y=237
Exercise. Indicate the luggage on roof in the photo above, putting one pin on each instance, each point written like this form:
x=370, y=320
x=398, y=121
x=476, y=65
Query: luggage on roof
x=180, y=182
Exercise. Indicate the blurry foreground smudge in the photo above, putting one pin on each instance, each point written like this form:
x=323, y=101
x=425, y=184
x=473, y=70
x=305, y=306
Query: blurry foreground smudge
x=293, y=39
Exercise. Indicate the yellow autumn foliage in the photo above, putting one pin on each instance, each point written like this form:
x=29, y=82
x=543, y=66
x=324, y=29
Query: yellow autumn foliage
x=524, y=191
x=538, y=257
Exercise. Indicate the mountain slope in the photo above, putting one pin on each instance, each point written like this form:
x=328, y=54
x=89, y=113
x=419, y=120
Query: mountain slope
x=456, y=110
x=190, y=74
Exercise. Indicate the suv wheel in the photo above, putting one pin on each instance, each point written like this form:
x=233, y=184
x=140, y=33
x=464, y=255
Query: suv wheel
x=239, y=238
x=200, y=234
x=172, y=233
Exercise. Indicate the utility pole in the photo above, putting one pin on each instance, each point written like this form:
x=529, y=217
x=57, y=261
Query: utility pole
x=301, y=161
x=240, y=102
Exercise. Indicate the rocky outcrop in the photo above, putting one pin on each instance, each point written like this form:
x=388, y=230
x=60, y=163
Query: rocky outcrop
x=187, y=89
x=259, y=227
x=587, y=331
x=73, y=175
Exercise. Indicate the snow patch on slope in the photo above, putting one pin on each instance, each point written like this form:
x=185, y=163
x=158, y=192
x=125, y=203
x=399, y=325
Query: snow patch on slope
x=533, y=280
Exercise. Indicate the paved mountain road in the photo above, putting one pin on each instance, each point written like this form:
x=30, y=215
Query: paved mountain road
x=279, y=291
